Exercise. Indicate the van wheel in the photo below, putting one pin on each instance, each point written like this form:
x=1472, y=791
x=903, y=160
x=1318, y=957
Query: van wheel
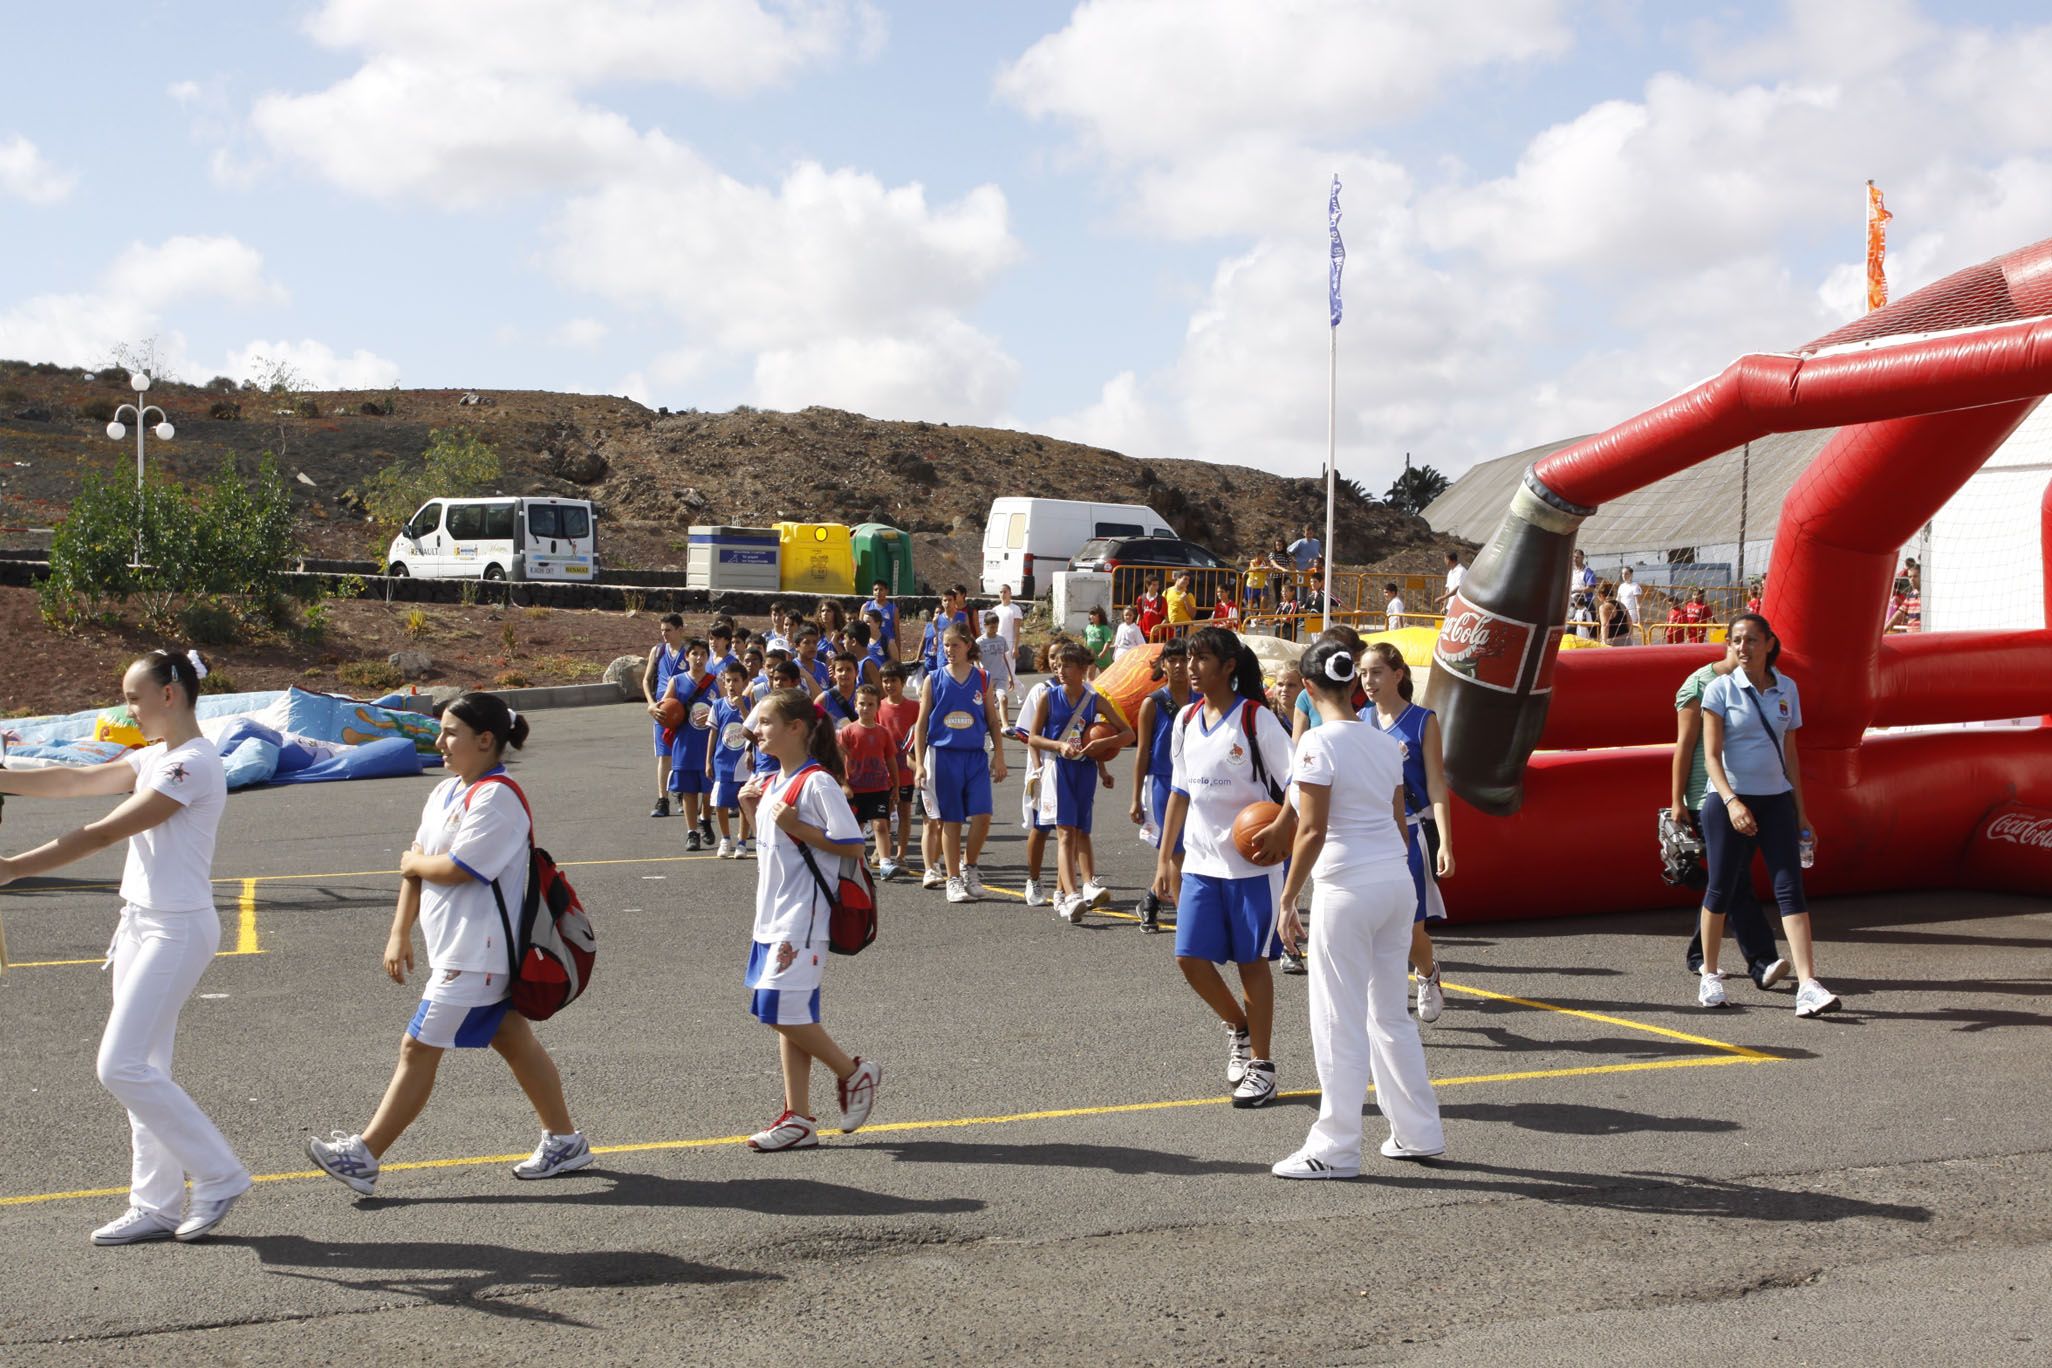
x=493, y=572
x=397, y=569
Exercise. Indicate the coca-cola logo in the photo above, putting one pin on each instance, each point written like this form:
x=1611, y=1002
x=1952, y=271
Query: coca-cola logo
x=1469, y=633
x=2022, y=829
x=1483, y=646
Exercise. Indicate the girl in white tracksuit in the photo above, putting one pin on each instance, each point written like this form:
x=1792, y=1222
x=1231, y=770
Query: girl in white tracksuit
x=1348, y=787
x=167, y=937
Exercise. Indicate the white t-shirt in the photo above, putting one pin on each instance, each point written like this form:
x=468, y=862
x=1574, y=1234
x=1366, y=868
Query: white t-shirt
x=1395, y=610
x=1211, y=765
x=1454, y=578
x=1363, y=767
x=788, y=903
x=1008, y=616
x=171, y=866
x=488, y=838
x=1628, y=595
x=1126, y=638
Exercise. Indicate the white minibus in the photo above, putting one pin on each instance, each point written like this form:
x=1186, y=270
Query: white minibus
x=497, y=539
x=1027, y=540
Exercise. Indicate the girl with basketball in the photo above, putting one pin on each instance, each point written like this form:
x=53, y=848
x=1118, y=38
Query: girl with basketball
x=1153, y=766
x=167, y=938
x=463, y=878
x=1349, y=792
x=1228, y=752
x=665, y=658
x=1429, y=838
x=798, y=811
x=696, y=689
x=1062, y=726
x=958, y=715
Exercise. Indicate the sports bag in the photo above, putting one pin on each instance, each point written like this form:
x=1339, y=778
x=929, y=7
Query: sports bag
x=851, y=900
x=551, y=955
x=1248, y=707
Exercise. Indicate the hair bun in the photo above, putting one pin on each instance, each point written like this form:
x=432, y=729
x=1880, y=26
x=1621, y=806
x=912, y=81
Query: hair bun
x=1339, y=667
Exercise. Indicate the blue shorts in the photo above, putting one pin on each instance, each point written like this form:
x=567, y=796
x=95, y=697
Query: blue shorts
x=1158, y=791
x=726, y=794
x=662, y=747
x=1421, y=847
x=687, y=779
x=454, y=1026
x=789, y=997
x=1229, y=921
x=1075, y=784
x=961, y=782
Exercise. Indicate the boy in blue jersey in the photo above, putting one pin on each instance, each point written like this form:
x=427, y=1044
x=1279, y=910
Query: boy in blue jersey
x=664, y=660
x=721, y=638
x=696, y=690
x=724, y=755
x=886, y=613
x=838, y=702
x=1070, y=775
x=812, y=671
x=868, y=657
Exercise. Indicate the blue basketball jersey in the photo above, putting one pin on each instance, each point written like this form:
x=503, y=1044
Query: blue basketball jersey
x=957, y=720
x=1161, y=746
x=1409, y=730
x=729, y=740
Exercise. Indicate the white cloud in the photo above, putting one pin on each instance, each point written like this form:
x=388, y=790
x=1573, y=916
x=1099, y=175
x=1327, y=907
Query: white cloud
x=186, y=267
x=583, y=333
x=184, y=92
x=940, y=369
x=315, y=363
x=26, y=175
x=1162, y=79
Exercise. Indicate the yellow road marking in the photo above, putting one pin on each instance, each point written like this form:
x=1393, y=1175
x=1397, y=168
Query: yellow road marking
x=900, y=1127
x=1739, y=1050
x=246, y=935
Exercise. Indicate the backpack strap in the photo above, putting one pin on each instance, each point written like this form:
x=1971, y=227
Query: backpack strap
x=498, y=894
x=1248, y=707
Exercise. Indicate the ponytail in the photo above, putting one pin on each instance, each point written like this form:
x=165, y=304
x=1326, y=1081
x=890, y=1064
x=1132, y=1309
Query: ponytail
x=169, y=667
x=487, y=712
x=821, y=743
x=1223, y=644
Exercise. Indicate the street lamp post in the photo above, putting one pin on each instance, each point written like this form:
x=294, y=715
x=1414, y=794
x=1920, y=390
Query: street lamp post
x=141, y=384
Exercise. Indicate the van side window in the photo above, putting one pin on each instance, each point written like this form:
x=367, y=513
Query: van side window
x=1015, y=538
x=498, y=522
x=1114, y=529
x=428, y=520
x=466, y=521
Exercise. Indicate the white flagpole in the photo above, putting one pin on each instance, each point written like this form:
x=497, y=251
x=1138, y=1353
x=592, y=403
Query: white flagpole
x=1331, y=467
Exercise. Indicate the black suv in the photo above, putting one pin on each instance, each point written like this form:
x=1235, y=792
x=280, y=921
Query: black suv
x=1130, y=560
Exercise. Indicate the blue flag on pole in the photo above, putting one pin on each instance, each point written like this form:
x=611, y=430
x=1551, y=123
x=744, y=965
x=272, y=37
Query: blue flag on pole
x=1339, y=250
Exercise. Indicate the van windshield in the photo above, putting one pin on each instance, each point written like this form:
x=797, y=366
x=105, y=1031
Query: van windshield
x=565, y=522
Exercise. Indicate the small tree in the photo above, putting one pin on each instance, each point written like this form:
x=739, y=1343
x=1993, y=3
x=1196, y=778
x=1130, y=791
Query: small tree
x=456, y=463
x=1417, y=487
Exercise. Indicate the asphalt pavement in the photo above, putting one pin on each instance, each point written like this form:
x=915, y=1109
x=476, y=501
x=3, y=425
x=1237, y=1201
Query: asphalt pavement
x=1052, y=1173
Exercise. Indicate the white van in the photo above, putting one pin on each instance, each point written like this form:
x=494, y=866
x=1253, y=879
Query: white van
x=1027, y=540
x=497, y=539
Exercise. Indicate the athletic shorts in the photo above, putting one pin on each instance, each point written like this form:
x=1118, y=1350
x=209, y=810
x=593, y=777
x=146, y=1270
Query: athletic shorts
x=906, y=793
x=1229, y=921
x=1075, y=791
x=872, y=807
x=726, y=794
x=1158, y=791
x=662, y=747
x=462, y=1009
x=688, y=779
x=1029, y=801
x=790, y=997
x=1422, y=851
x=960, y=784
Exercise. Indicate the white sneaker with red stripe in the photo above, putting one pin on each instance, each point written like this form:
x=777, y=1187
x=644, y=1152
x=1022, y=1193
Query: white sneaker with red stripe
x=858, y=1093
x=788, y=1132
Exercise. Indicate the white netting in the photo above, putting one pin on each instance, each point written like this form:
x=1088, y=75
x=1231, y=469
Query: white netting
x=1983, y=566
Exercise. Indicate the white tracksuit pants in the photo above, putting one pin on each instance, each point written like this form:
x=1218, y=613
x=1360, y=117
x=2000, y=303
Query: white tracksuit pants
x=157, y=959
x=1360, y=1026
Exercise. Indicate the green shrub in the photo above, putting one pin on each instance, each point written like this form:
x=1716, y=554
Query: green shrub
x=219, y=682
x=370, y=674
x=210, y=622
x=456, y=463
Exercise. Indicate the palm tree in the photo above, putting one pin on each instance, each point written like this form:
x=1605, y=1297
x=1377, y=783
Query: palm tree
x=1415, y=488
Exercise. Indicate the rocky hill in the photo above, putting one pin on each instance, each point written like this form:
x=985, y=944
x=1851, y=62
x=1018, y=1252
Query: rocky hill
x=655, y=473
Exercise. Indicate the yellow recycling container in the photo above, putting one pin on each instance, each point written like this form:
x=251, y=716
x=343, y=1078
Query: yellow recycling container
x=816, y=558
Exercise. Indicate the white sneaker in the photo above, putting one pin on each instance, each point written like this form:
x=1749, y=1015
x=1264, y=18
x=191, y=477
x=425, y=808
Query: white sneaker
x=858, y=1093
x=201, y=1218
x=555, y=1154
x=134, y=1228
x=1774, y=973
x=347, y=1158
x=887, y=870
x=972, y=879
x=1710, y=991
x=958, y=892
x=788, y=1132
x=1096, y=894
x=933, y=878
x=1431, y=998
x=726, y=850
x=1071, y=908
x=1302, y=1165
x=1257, y=1085
x=1239, y=1051
x=747, y=850
x=1392, y=1150
x=1814, y=999
x=1035, y=897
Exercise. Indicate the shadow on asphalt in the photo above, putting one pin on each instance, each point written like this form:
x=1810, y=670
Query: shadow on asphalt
x=1659, y=1194
x=770, y=1195
x=477, y=1275
x=1120, y=1159
x=1569, y=1118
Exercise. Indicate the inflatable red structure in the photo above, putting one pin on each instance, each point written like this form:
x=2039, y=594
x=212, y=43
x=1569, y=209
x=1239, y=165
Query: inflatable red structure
x=1921, y=392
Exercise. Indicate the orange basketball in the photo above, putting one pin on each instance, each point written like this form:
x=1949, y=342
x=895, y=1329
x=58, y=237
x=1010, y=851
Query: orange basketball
x=1248, y=826
x=670, y=712
x=1101, y=732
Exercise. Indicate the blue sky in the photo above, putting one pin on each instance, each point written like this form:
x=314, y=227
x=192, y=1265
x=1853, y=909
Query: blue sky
x=1103, y=221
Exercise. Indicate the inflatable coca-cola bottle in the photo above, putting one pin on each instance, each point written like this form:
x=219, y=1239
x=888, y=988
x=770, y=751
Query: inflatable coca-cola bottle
x=1492, y=668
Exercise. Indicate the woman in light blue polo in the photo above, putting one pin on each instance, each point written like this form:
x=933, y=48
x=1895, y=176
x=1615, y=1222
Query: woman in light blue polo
x=1750, y=718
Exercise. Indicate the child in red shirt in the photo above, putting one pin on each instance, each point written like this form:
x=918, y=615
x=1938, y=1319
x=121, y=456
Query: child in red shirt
x=897, y=714
x=871, y=753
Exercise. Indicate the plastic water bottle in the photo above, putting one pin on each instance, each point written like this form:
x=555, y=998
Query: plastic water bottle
x=1809, y=848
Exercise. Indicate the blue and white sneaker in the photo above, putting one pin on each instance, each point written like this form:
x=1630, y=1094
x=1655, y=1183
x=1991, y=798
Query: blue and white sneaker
x=347, y=1159
x=555, y=1154
x=134, y=1228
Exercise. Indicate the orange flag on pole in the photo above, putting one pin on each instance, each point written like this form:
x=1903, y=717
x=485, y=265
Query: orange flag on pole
x=1877, y=247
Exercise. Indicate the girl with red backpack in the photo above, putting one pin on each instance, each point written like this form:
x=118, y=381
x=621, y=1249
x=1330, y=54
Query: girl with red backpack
x=802, y=820
x=469, y=858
